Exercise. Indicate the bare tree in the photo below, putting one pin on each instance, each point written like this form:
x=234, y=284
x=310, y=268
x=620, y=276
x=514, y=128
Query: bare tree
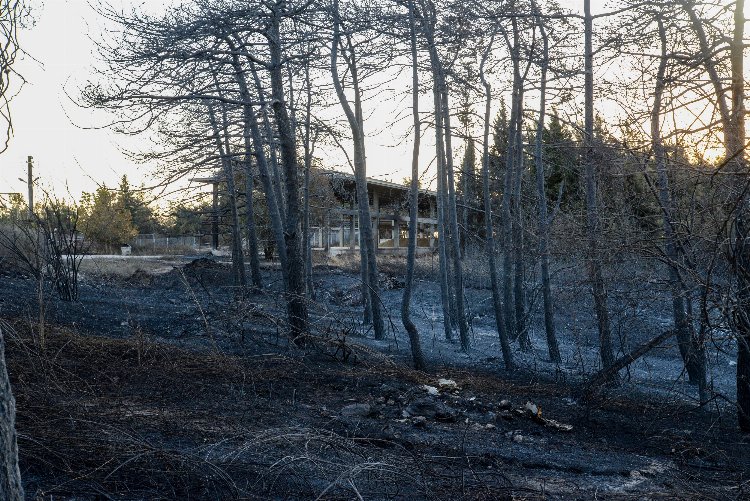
x=355, y=118
x=411, y=329
x=12, y=14
x=593, y=222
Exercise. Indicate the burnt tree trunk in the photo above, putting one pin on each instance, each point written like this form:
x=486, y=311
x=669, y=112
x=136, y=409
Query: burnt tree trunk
x=553, y=348
x=592, y=209
x=692, y=352
x=489, y=229
x=355, y=118
x=411, y=329
x=296, y=297
x=11, y=488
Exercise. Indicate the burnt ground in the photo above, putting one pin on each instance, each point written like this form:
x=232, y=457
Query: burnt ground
x=172, y=385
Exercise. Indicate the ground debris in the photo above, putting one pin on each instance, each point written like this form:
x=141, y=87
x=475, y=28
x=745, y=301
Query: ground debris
x=357, y=410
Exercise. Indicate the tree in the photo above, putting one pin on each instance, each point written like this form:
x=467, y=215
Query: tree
x=12, y=15
x=141, y=214
x=411, y=329
x=105, y=219
x=593, y=223
x=355, y=117
x=549, y=320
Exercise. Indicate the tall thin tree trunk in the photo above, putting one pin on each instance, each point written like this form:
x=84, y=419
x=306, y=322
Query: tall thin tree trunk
x=507, y=219
x=444, y=268
x=742, y=223
x=306, y=210
x=489, y=229
x=592, y=209
x=11, y=488
x=356, y=123
x=238, y=264
x=519, y=285
x=253, y=142
x=252, y=238
x=296, y=297
x=553, y=348
x=411, y=329
x=452, y=214
x=692, y=354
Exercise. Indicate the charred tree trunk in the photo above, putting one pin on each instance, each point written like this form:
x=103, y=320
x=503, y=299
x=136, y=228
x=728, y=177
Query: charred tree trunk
x=296, y=298
x=411, y=329
x=238, y=264
x=592, y=209
x=306, y=189
x=691, y=351
x=458, y=284
x=507, y=219
x=519, y=286
x=736, y=144
x=445, y=292
x=252, y=238
x=356, y=123
x=489, y=230
x=11, y=488
x=253, y=142
x=553, y=348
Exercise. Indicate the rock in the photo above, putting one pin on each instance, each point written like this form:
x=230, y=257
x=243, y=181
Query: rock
x=431, y=390
x=518, y=438
x=357, y=410
x=431, y=409
x=447, y=384
x=504, y=404
x=419, y=421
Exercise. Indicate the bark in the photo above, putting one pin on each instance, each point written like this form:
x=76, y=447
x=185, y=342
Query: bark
x=507, y=219
x=356, y=123
x=254, y=142
x=458, y=282
x=607, y=374
x=411, y=329
x=519, y=287
x=238, y=264
x=11, y=488
x=307, y=144
x=742, y=224
x=296, y=297
x=690, y=349
x=489, y=230
x=445, y=293
x=549, y=321
x=252, y=238
x=592, y=209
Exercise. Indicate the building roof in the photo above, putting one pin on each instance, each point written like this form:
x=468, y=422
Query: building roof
x=376, y=182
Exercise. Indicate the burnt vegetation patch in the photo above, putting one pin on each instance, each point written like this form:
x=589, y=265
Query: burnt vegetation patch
x=102, y=418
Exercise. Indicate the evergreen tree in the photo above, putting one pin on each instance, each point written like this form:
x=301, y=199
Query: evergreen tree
x=106, y=220
x=562, y=162
x=142, y=216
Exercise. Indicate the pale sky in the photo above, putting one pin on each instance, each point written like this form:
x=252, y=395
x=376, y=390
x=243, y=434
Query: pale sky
x=67, y=148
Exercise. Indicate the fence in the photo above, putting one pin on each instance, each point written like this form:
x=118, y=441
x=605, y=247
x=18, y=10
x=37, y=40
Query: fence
x=153, y=241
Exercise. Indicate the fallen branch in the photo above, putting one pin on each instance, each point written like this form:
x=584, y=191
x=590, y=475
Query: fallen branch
x=606, y=374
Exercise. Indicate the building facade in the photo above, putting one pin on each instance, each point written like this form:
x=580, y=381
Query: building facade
x=336, y=227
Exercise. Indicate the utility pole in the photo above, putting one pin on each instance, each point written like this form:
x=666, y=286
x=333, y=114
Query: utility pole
x=30, y=183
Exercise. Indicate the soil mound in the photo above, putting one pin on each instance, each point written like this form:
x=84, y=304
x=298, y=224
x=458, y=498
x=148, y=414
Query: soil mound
x=203, y=271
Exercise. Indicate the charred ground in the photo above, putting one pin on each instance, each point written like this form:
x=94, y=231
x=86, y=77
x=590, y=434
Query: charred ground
x=168, y=384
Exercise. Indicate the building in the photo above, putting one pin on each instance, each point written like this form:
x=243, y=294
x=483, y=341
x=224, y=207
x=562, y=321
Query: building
x=335, y=227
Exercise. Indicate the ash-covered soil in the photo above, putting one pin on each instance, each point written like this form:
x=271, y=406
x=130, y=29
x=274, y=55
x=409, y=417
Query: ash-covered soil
x=170, y=383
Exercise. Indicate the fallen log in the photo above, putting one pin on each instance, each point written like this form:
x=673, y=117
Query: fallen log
x=600, y=378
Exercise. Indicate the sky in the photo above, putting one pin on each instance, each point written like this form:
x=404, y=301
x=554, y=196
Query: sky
x=72, y=153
